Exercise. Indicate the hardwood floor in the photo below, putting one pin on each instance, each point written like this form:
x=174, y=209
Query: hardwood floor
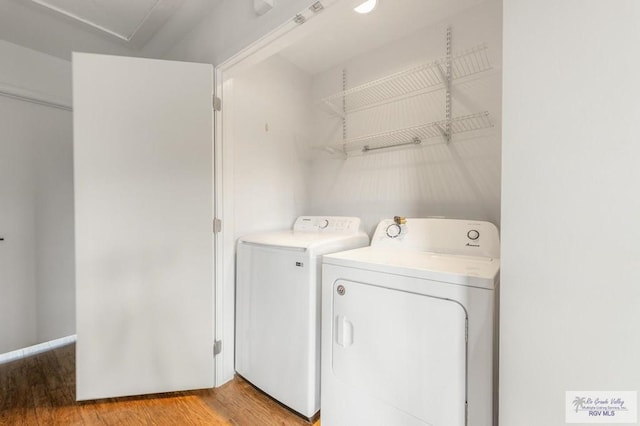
x=40, y=390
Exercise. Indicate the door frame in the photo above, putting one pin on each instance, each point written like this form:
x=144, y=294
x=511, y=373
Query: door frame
x=225, y=244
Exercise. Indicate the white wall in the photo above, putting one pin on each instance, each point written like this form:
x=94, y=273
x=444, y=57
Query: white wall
x=570, y=280
x=459, y=180
x=269, y=115
x=55, y=277
x=36, y=193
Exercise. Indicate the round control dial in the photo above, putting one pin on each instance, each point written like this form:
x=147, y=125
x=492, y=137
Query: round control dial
x=473, y=234
x=393, y=230
x=323, y=224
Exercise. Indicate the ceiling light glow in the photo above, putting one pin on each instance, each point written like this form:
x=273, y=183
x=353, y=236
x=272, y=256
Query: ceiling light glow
x=366, y=7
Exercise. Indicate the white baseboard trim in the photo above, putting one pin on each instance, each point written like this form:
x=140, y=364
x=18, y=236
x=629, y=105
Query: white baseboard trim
x=36, y=349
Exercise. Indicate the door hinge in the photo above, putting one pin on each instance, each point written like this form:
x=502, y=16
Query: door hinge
x=217, y=347
x=217, y=225
x=217, y=103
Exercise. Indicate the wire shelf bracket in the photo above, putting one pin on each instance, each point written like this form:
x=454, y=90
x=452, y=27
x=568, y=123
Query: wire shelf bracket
x=447, y=85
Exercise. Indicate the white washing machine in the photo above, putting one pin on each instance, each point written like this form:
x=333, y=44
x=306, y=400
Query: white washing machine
x=278, y=306
x=408, y=326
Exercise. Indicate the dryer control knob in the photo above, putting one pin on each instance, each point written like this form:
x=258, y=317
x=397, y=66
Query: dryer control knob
x=473, y=234
x=393, y=230
x=323, y=224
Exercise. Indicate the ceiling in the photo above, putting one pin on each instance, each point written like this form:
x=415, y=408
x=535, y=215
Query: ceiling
x=147, y=28
x=347, y=34
x=150, y=28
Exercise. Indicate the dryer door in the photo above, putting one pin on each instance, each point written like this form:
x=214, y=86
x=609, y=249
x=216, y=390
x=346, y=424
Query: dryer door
x=403, y=353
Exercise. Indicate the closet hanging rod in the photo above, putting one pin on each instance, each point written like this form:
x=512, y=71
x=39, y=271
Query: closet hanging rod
x=414, y=141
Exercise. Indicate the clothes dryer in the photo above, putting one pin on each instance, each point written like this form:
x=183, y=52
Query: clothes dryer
x=408, y=326
x=278, y=306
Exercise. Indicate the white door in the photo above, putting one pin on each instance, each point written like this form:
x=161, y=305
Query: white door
x=143, y=216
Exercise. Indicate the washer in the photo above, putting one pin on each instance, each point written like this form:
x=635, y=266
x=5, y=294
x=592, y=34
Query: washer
x=278, y=306
x=408, y=326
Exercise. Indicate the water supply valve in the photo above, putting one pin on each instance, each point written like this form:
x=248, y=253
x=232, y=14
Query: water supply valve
x=400, y=220
x=395, y=229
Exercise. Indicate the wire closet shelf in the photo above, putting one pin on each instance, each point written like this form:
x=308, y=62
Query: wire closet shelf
x=416, y=80
x=412, y=135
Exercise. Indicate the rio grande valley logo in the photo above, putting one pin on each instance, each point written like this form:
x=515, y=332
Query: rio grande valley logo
x=601, y=407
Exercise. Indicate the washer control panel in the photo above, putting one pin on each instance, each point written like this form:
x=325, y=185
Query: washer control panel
x=338, y=224
x=439, y=235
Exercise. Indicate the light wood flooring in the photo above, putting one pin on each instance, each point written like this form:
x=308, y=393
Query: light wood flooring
x=40, y=390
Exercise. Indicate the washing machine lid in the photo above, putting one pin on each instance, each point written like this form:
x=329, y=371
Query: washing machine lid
x=454, y=269
x=300, y=240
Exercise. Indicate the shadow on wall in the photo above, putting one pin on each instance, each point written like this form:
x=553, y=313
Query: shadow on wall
x=458, y=180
